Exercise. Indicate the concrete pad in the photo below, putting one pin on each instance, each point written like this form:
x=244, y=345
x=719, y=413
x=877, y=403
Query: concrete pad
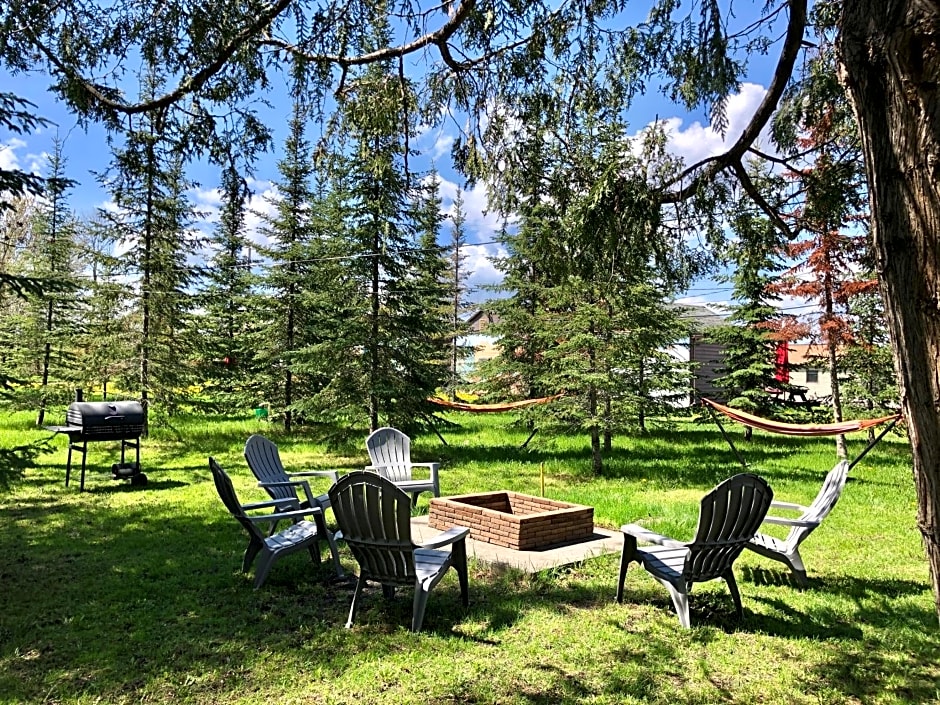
x=601, y=542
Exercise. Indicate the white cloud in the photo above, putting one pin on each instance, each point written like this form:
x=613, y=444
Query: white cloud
x=479, y=264
x=8, y=158
x=481, y=226
x=261, y=205
x=696, y=141
x=207, y=197
x=37, y=162
x=481, y=223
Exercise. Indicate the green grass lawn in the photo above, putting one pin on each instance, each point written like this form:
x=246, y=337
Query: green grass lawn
x=130, y=594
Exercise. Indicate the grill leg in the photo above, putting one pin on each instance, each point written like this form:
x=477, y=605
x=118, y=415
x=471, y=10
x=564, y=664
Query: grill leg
x=68, y=466
x=81, y=486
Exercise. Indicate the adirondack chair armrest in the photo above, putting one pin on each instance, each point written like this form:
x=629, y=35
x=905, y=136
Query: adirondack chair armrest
x=783, y=521
x=452, y=535
x=788, y=505
x=261, y=505
x=314, y=512
x=303, y=484
x=374, y=468
x=643, y=534
x=332, y=474
x=432, y=467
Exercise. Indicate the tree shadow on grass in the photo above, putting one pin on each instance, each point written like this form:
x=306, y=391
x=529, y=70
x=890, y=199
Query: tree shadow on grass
x=122, y=486
x=14, y=462
x=129, y=598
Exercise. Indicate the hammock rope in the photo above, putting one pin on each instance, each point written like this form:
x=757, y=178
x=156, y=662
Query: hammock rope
x=491, y=408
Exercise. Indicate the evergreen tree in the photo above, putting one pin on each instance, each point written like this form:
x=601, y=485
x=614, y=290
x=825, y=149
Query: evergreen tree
x=17, y=239
x=39, y=246
x=226, y=300
x=55, y=259
x=866, y=360
x=456, y=278
x=583, y=320
x=429, y=309
x=817, y=130
x=153, y=223
x=107, y=344
x=398, y=338
x=290, y=231
x=750, y=336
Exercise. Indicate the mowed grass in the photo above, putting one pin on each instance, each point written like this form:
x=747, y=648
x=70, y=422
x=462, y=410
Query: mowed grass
x=130, y=594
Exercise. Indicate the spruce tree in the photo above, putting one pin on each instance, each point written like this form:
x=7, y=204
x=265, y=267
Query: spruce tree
x=456, y=278
x=153, y=222
x=55, y=259
x=107, y=344
x=289, y=231
x=226, y=298
x=749, y=338
x=398, y=338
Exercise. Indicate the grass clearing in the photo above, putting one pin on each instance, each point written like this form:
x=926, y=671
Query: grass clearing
x=130, y=594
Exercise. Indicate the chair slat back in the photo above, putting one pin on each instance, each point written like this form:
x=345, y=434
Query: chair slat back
x=729, y=517
x=223, y=484
x=829, y=493
x=391, y=449
x=264, y=460
x=375, y=518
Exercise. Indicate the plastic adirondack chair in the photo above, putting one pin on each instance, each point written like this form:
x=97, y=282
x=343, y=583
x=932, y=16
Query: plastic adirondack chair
x=302, y=534
x=374, y=518
x=729, y=517
x=265, y=462
x=788, y=550
x=390, y=456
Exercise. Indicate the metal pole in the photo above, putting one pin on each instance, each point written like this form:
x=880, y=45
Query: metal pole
x=727, y=437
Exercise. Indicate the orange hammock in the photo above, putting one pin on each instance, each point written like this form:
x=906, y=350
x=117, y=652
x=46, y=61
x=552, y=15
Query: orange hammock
x=491, y=408
x=795, y=429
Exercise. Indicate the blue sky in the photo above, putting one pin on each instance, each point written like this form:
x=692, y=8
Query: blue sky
x=86, y=151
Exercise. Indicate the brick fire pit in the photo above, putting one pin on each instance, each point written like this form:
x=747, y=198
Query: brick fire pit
x=513, y=520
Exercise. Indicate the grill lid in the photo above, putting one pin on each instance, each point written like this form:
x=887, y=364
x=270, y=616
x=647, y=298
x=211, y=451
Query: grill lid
x=105, y=414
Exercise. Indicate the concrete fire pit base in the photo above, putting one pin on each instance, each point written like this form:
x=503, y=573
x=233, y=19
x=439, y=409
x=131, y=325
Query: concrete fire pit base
x=517, y=521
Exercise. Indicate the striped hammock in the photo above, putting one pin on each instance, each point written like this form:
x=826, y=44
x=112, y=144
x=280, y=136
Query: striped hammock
x=795, y=429
x=491, y=408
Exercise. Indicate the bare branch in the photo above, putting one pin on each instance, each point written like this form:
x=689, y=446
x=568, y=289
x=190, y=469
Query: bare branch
x=756, y=196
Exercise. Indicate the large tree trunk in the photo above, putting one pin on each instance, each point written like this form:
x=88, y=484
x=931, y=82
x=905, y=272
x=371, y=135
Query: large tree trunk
x=890, y=54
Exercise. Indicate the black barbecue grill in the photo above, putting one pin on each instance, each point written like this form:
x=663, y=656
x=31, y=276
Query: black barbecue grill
x=88, y=421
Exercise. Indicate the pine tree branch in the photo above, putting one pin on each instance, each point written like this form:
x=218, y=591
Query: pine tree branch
x=104, y=96
x=438, y=38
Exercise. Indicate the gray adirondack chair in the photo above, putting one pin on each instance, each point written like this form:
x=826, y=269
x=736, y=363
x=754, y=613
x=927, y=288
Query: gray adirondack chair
x=390, y=456
x=374, y=518
x=787, y=550
x=300, y=535
x=264, y=460
x=729, y=517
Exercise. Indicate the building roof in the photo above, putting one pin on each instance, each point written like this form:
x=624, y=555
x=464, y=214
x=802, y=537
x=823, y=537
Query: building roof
x=700, y=316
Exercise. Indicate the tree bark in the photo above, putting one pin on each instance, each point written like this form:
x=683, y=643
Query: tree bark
x=832, y=354
x=597, y=458
x=890, y=64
